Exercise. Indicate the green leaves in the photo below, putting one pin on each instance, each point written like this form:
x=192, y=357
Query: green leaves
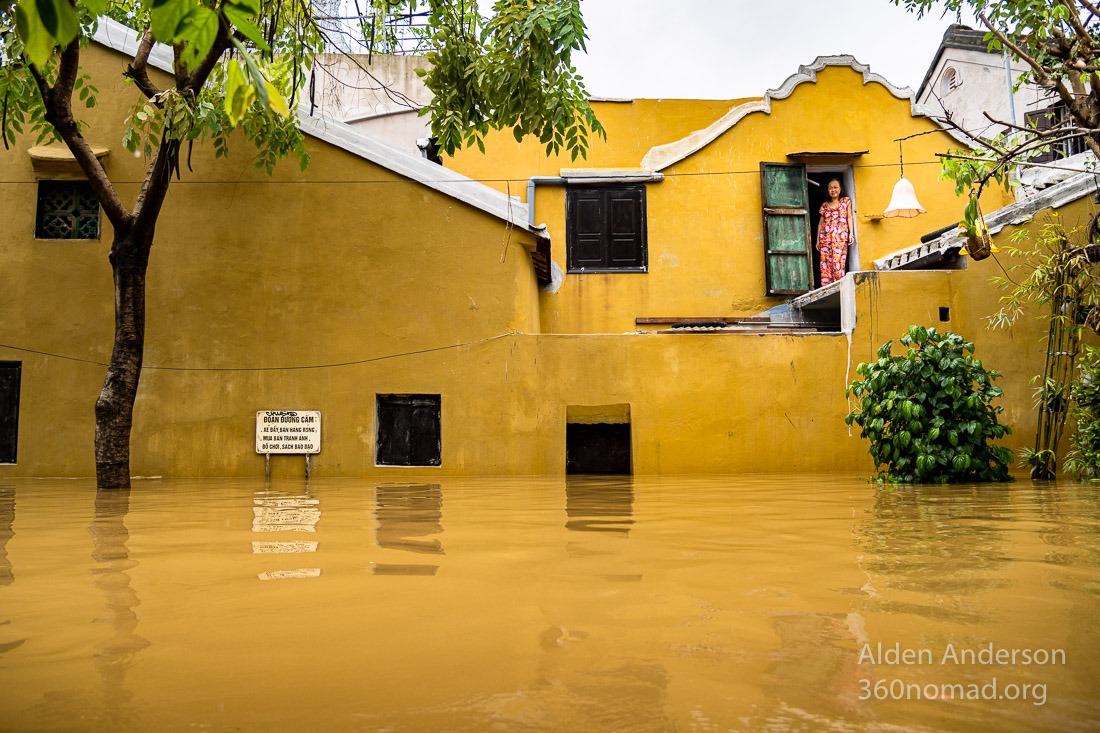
x=246, y=84
x=1083, y=458
x=927, y=413
x=510, y=70
x=44, y=24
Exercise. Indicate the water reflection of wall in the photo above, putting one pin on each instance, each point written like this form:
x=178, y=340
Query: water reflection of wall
x=115, y=655
x=7, y=575
x=7, y=522
x=407, y=514
x=277, y=512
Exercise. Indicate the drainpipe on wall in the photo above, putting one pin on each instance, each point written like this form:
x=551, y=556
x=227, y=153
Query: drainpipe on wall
x=582, y=178
x=1011, y=95
x=531, y=183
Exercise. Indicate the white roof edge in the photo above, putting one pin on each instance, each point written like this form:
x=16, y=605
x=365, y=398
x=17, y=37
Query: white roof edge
x=1054, y=197
x=124, y=39
x=115, y=35
x=418, y=169
x=662, y=156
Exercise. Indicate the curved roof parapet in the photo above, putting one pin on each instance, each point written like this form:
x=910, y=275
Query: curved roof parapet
x=662, y=156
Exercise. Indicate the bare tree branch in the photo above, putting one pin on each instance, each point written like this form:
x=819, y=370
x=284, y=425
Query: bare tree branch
x=138, y=69
x=1079, y=28
x=1093, y=10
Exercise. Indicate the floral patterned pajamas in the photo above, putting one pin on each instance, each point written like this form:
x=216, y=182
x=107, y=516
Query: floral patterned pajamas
x=833, y=242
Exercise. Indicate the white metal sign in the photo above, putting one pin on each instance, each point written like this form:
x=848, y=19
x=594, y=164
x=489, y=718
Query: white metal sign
x=288, y=431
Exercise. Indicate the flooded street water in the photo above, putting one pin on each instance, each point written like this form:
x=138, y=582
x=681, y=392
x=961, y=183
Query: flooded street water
x=549, y=604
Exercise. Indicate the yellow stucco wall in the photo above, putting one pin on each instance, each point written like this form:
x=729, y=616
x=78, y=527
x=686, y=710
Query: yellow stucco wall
x=253, y=281
x=322, y=289
x=705, y=238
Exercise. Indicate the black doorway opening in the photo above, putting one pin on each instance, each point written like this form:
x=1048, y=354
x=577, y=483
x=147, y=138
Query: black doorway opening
x=597, y=448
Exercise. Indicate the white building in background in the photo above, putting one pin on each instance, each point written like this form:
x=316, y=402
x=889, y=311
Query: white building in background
x=378, y=94
x=966, y=81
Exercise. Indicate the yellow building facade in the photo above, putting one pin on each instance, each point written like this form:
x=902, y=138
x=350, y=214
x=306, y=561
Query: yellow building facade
x=414, y=308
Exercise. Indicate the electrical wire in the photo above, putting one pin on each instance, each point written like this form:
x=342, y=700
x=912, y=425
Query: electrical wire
x=300, y=367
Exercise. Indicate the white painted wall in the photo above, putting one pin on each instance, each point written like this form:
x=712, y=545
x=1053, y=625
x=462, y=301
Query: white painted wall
x=982, y=86
x=379, y=95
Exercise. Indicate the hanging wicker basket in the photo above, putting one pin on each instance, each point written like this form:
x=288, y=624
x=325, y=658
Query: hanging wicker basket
x=978, y=246
x=1092, y=252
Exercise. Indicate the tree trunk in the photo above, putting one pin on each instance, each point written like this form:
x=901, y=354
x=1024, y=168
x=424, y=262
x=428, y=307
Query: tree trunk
x=115, y=406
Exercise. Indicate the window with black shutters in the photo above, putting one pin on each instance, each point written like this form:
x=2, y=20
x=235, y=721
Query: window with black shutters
x=606, y=229
x=408, y=430
x=66, y=210
x=10, y=372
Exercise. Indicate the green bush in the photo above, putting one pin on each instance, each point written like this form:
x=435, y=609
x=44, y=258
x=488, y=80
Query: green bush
x=1083, y=458
x=928, y=413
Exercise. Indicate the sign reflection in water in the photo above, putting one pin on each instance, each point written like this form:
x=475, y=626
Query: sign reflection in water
x=276, y=512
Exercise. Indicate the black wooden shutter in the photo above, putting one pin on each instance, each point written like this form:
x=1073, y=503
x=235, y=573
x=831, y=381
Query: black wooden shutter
x=408, y=430
x=585, y=211
x=606, y=228
x=787, y=257
x=10, y=372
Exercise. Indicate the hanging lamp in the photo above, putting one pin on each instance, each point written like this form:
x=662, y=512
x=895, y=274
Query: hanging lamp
x=903, y=201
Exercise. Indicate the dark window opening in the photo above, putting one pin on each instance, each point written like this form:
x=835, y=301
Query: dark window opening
x=408, y=430
x=606, y=229
x=945, y=314
x=10, y=374
x=597, y=448
x=1052, y=118
x=66, y=210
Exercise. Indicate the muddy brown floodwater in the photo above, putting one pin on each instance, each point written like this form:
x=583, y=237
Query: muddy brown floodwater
x=722, y=603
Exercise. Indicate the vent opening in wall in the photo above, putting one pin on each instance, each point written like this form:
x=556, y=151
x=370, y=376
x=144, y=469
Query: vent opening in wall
x=408, y=430
x=597, y=439
x=66, y=210
x=949, y=81
x=945, y=314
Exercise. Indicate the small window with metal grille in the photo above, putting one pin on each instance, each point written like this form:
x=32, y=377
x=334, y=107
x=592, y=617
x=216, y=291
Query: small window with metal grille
x=66, y=210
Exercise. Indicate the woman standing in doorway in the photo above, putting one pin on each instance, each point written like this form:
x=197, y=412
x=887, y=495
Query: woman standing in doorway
x=835, y=230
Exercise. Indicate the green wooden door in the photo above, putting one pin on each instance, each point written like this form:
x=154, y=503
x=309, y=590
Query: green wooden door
x=787, y=256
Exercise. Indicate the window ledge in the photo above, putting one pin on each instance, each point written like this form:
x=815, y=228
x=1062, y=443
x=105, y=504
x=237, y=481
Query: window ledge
x=57, y=162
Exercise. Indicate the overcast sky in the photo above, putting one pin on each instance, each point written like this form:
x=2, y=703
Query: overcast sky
x=723, y=49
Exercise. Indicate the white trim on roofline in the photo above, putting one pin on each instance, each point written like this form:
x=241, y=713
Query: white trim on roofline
x=124, y=39
x=662, y=156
